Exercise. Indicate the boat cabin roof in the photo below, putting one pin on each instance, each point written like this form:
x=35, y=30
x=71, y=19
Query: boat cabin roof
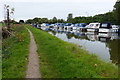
x=59, y=23
x=68, y=24
x=80, y=24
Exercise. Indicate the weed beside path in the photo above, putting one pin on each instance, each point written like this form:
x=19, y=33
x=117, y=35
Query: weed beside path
x=15, y=52
x=60, y=59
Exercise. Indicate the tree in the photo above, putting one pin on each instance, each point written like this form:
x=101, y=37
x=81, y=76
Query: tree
x=60, y=21
x=29, y=21
x=36, y=20
x=44, y=20
x=21, y=21
x=12, y=12
x=70, y=18
x=7, y=13
x=117, y=11
x=54, y=20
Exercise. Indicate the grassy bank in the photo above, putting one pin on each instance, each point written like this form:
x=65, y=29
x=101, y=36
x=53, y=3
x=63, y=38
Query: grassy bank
x=15, y=52
x=59, y=59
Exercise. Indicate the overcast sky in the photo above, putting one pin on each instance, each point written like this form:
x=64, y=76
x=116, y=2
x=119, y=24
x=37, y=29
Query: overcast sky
x=25, y=9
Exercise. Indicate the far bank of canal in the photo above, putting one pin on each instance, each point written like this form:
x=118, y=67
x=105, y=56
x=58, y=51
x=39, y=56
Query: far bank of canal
x=104, y=45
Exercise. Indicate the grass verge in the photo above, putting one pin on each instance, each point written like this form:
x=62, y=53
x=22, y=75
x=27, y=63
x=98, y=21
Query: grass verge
x=15, y=52
x=60, y=59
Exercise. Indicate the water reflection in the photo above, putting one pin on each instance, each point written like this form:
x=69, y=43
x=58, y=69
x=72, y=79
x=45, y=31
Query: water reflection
x=104, y=45
x=114, y=50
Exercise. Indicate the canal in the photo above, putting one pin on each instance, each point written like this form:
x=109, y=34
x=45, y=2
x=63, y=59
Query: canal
x=105, y=45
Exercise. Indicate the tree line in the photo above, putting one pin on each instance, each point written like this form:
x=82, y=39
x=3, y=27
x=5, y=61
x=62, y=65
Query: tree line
x=107, y=17
x=112, y=16
x=44, y=20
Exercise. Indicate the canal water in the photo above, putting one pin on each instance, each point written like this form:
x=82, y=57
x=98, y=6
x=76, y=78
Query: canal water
x=105, y=45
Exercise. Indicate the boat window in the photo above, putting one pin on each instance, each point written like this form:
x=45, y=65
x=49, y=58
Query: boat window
x=68, y=24
x=104, y=25
x=76, y=25
x=91, y=25
x=83, y=25
x=47, y=24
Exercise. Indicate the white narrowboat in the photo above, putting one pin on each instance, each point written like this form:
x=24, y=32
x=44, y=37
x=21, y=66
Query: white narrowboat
x=68, y=26
x=105, y=28
x=44, y=26
x=79, y=26
x=59, y=26
x=93, y=27
x=115, y=28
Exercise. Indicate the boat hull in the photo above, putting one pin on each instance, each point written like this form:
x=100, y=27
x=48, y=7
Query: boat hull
x=105, y=30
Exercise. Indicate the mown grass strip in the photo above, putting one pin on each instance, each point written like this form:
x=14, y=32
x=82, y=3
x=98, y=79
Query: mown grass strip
x=59, y=59
x=15, y=52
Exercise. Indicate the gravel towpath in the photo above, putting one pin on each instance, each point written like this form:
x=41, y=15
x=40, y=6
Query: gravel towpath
x=33, y=66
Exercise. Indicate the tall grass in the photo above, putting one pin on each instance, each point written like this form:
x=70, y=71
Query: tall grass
x=15, y=52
